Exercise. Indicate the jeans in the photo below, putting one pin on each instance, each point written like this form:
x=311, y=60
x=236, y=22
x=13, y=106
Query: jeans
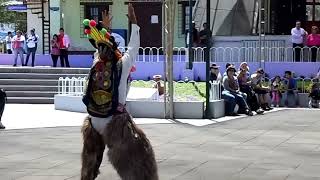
x=29, y=51
x=64, y=57
x=314, y=52
x=232, y=99
x=20, y=52
x=297, y=51
x=54, y=59
x=289, y=94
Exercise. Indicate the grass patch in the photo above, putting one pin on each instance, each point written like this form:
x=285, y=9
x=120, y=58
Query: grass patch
x=182, y=91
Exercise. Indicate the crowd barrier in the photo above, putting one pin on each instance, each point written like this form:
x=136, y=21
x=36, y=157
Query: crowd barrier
x=72, y=86
x=234, y=54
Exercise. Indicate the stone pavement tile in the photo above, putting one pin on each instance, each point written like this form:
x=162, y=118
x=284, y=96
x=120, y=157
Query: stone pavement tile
x=266, y=141
x=300, y=140
x=301, y=177
x=296, y=148
x=172, y=168
x=307, y=170
x=13, y=175
x=43, y=178
x=219, y=169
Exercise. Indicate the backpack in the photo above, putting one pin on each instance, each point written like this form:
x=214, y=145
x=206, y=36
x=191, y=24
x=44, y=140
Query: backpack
x=101, y=94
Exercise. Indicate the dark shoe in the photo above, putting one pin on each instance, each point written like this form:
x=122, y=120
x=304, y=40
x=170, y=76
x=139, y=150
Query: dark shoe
x=265, y=107
x=14, y=65
x=268, y=107
x=232, y=114
x=249, y=112
x=2, y=126
x=259, y=111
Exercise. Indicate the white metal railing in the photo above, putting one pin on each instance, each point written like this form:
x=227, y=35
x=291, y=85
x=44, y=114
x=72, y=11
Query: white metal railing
x=215, y=90
x=232, y=54
x=72, y=86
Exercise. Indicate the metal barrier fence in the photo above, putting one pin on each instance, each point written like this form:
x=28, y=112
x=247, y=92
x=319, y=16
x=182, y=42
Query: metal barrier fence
x=215, y=91
x=72, y=86
x=233, y=54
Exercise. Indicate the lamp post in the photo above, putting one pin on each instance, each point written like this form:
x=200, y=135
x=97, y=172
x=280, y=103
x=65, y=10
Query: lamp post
x=190, y=43
x=207, y=58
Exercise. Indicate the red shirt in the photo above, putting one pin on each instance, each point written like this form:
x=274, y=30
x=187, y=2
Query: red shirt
x=313, y=40
x=60, y=40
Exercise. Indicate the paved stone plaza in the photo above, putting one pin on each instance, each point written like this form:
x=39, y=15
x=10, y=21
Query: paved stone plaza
x=282, y=145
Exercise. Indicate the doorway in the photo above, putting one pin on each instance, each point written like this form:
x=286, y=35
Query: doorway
x=149, y=16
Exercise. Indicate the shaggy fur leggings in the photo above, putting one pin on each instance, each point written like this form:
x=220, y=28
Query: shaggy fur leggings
x=129, y=150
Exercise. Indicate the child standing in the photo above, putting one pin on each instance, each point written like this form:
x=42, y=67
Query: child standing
x=276, y=92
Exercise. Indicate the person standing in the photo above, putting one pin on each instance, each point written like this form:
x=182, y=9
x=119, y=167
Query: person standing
x=313, y=41
x=55, y=52
x=17, y=44
x=298, y=35
x=32, y=42
x=9, y=43
x=205, y=35
x=64, y=44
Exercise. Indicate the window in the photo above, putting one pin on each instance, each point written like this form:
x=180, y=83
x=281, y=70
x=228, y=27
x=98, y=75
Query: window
x=185, y=15
x=313, y=10
x=93, y=11
x=90, y=9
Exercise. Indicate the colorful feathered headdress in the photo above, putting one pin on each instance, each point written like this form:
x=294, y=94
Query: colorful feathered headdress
x=95, y=32
x=99, y=35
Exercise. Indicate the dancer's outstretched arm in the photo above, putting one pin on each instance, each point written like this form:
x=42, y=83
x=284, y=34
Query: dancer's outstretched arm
x=134, y=43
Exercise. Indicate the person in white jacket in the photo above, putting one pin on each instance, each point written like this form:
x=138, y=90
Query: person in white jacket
x=108, y=123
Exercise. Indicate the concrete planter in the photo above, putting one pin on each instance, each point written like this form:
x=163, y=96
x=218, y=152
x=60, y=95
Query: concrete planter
x=188, y=110
x=138, y=109
x=69, y=103
x=303, y=99
x=146, y=109
x=217, y=109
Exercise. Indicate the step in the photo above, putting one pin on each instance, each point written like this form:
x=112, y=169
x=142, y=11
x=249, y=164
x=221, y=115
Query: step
x=29, y=88
x=44, y=82
x=38, y=76
x=30, y=100
x=31, y=93
x=41, y=69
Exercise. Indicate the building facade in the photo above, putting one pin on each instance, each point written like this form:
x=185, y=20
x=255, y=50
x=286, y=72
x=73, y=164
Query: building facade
x=228, y=18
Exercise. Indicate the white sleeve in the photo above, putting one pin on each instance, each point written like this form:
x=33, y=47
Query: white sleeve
x=133, y=48
x=295, y=35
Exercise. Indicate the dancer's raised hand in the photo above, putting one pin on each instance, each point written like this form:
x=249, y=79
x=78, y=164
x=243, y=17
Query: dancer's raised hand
x=131, y=14
x=106, y=19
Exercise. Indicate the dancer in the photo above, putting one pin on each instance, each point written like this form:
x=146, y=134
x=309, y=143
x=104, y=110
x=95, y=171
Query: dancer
x=108, y=123
x=3, y=99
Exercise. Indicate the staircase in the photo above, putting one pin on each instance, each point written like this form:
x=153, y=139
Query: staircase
x=38, y=7
x=25, y=85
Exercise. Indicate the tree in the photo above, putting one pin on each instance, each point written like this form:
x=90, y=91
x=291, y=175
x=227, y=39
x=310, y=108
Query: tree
x=12, y=17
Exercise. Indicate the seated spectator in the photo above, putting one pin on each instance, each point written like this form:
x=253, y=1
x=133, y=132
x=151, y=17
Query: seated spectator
x=215, y=74
x=227, y=65
x=158, y=85
x=245, y=87
x=261, y=90
x=276, y=95
x=290, y=88
x=232, y=95
x=315, y=95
